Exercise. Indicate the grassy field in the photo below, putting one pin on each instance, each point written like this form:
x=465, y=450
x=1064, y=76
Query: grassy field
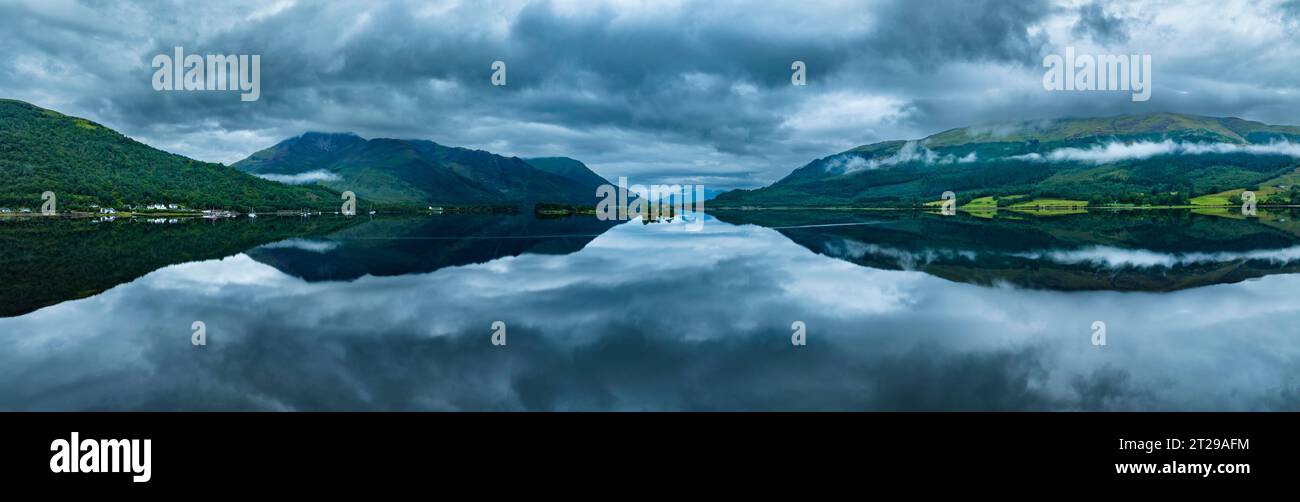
x=977, y=204
x=1215, y=199
x=1051, y=207
x=981, y=204
x=1049, y=203
x=1266, y=189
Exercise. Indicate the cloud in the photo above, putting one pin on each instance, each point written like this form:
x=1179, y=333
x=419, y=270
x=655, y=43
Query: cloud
x=911, y=151
x=946, y=30
x=1107, y=257
x=1119, y=151
x=582, y=338
x=311, y=246
x=1116, y=258
x=691, y=91
x=1101, y=26
x=315, y=176
x=906, y=259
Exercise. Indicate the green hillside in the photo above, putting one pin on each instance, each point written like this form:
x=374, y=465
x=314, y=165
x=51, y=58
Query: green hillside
x=85, y=163
x=1072, y=159
x=423, y=172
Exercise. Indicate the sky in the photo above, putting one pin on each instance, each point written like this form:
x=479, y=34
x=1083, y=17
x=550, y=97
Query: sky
x=666, y=91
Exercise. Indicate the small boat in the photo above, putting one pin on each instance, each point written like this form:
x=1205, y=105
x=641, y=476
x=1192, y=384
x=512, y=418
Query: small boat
x=251, y=213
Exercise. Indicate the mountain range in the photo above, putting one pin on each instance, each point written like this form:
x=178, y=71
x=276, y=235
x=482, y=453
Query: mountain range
x=400, y=171
x=87, y=164
x=1148, y=159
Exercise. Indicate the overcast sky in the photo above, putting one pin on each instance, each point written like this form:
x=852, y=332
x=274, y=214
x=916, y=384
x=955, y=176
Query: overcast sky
x=661, y=91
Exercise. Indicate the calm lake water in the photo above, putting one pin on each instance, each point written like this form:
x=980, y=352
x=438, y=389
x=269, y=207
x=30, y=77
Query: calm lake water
x=903, y=311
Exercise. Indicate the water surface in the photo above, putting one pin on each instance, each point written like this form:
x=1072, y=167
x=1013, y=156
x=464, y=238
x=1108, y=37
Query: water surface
x=904, y=311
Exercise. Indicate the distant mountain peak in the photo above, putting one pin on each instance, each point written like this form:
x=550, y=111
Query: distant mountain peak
x=326, y=141
x=327, y=133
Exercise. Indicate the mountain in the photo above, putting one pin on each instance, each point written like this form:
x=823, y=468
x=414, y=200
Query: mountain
x=85, y=163
x=1157, y=158
x=420, y=172
x=47, y=261
x=569, y=168
x=384, y=247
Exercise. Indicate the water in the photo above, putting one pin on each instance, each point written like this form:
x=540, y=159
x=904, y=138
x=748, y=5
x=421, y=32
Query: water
x=903, y=311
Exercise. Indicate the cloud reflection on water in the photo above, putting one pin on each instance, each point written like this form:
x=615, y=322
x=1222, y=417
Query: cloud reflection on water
x=649, y=318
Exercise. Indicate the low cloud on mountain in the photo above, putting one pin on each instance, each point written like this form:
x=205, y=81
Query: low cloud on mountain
x=301, y=178
x=911, y=151
x=1118, y=151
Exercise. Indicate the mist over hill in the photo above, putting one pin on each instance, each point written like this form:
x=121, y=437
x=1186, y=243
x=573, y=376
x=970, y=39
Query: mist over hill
x=1158, y=158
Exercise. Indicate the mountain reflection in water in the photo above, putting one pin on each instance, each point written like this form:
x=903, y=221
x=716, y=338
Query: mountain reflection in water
x=904, y=311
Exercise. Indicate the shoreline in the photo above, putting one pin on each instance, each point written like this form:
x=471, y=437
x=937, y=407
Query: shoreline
x=990, y=210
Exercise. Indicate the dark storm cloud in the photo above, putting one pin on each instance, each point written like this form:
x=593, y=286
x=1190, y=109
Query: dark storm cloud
x=661, y=92
x=1096, y=23
x=1290, y=9
x=955, y=30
